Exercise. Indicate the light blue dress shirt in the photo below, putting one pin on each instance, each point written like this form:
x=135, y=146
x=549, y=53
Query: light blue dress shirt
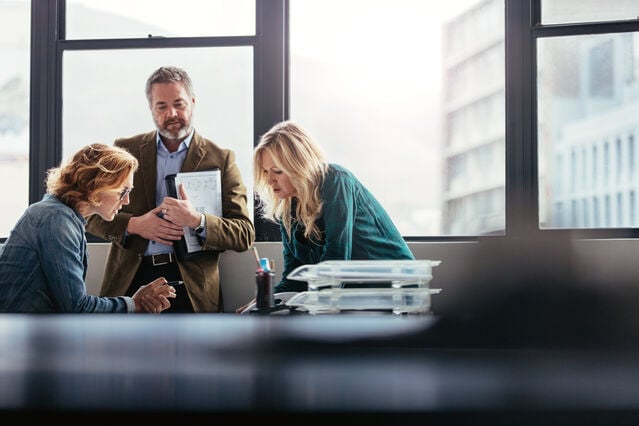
x=168, y=163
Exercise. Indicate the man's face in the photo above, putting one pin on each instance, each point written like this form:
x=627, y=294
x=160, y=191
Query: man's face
x=172, y=110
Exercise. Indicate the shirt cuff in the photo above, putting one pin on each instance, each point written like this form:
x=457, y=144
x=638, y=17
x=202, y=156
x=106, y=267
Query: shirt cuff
x=130, y=304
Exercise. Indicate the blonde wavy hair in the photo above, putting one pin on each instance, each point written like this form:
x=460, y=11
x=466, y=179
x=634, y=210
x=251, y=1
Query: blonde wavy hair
x=297, y=154
x=92, y=170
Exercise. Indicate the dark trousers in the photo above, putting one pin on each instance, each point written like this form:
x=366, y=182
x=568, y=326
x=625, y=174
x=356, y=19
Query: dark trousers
x=148, y=272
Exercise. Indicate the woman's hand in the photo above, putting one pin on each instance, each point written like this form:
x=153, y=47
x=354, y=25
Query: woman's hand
x=154, y=297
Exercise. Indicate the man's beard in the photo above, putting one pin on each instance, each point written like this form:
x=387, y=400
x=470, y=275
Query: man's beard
x=180, y=133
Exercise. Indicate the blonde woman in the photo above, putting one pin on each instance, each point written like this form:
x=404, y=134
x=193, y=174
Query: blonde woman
x=324, y=211
x=43, y=263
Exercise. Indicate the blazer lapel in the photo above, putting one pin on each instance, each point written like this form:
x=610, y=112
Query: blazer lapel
x=195, y=154
x=148, y=167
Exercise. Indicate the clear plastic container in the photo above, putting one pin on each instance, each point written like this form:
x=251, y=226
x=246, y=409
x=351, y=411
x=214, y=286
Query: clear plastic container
x=339, y=300
x=366, y=273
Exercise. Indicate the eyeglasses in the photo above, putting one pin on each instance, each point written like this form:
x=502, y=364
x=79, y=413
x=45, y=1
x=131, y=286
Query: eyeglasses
x=126, y=191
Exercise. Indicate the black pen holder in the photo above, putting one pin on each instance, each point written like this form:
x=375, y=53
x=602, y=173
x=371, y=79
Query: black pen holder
x=264, y=295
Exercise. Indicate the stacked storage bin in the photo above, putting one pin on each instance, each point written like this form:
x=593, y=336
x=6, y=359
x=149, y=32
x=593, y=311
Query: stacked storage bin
x=336, y=286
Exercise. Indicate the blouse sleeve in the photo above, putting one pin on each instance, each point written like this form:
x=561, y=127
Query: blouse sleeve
x=337, y=215
x=290, y=263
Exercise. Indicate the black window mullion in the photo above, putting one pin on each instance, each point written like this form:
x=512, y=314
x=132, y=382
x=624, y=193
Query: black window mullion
x=44, y=145
x=271, y=84
x=522, y=215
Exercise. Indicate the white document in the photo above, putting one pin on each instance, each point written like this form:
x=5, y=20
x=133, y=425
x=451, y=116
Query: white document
x=204, y=190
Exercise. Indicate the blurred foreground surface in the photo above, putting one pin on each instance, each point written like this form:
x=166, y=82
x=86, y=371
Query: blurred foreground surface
x=527, y=343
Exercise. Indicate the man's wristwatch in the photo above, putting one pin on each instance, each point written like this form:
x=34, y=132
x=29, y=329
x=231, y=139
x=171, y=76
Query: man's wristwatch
x=202, y=225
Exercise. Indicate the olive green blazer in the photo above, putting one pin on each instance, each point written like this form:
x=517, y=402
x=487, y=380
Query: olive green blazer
x=233, y=231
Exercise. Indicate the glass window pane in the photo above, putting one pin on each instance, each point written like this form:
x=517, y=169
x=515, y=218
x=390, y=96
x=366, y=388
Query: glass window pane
x=15, y=27
x=101, y=102
x=93, y=19
x=409, y=95
x=566, y=11
x=588, y=121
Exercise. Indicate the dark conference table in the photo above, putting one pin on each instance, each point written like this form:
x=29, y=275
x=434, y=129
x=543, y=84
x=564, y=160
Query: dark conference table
x=377, y=366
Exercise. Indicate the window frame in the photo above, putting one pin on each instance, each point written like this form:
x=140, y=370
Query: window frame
x=49, y=44
x=537, y=31
x=271, y=98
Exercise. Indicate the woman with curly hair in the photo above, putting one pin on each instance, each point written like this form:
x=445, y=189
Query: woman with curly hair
x=43, y=263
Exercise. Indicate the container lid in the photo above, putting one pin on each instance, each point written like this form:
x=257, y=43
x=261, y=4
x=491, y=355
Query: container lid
x=352, y=271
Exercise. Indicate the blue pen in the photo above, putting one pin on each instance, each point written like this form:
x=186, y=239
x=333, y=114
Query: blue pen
x=264, y=264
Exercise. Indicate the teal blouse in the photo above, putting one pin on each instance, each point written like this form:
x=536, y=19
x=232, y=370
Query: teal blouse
x=354, y=225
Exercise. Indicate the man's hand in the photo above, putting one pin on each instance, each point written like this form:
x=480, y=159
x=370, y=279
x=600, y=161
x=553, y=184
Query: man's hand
x=154, y=226
x=154, y=297
x=180, y=212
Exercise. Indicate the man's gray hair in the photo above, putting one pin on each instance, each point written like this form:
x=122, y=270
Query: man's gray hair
x=166, y=75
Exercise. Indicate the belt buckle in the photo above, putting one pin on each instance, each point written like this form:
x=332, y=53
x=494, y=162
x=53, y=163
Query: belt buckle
x=159, y=263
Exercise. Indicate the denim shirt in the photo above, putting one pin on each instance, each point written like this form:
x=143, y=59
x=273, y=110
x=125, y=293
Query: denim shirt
x=43, y=264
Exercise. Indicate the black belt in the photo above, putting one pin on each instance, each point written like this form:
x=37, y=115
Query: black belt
x=160, y=259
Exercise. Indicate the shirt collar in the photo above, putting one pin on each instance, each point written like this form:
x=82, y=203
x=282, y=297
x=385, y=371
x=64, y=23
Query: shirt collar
x=183, y=145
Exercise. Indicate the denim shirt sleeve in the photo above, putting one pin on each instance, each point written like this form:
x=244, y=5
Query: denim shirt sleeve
x=63, y=250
